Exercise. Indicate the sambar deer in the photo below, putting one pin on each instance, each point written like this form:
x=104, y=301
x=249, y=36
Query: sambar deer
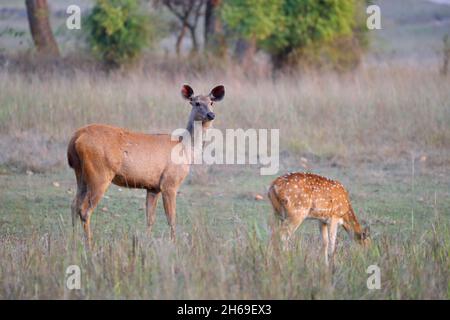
x=299, y=196
x=101, y=154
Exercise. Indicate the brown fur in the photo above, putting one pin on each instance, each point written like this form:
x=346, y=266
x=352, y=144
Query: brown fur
x=102, y=154
x=299, y=196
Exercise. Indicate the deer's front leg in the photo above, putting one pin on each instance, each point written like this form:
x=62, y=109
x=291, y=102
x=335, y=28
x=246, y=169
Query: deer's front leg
x=169, y=200
x=152, y=200
x=324, y=233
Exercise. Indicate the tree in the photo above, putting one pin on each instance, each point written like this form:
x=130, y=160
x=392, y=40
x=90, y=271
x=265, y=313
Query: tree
x=252, y=21
x=188, y=12
x=41, y=32
x=286, y=28
x=304, y=23
x=213, y=30
x=446, y=57
x=117, y=31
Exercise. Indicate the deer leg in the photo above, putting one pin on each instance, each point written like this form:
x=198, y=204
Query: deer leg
x=90, y=202
x=285, y=235
x=289, y=226
x=169, y=201
x=275, y=220
x=333, y=233
x=274, y=224
x=76, y=207
x=78, y=200
x=97, y=180
x=324, y=232
x=152, y=200
x=87, y=228
x=74, y=210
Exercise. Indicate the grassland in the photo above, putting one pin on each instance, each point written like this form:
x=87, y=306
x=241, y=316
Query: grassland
x=222, y=240
x=383, y=132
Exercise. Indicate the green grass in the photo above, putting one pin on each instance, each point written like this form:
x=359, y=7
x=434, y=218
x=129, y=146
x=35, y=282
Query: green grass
x=222, y=250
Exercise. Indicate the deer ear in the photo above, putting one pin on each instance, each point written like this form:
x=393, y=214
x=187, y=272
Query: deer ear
x=217, y=93
x=187, y=92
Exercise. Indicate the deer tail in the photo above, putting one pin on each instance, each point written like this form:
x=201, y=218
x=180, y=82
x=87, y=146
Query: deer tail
x=73, y=158
x=277, y=205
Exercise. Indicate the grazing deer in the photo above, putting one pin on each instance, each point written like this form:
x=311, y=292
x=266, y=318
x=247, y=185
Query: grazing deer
x=102, y=154
x=299, y=196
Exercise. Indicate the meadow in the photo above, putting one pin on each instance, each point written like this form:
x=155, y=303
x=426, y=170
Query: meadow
x=382, y=130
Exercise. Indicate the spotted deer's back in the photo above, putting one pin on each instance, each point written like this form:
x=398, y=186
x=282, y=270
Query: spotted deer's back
x=321, y=197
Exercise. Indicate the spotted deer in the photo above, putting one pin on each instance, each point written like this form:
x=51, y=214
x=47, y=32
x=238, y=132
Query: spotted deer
x=299, y=196
x=101, y=154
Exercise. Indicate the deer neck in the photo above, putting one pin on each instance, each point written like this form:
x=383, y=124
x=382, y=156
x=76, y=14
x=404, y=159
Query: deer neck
x=193, y=129
x=352, y=225
x=194, y=141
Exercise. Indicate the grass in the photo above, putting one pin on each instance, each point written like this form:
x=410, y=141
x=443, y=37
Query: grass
x=383, y=132
x=405, y=23
x=222, y=240
x=374, y=112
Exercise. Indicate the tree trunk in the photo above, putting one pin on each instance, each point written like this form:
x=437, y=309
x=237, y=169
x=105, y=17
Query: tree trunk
x=180, y=39
x=245, y=51
x=446, y=58
x=280, y=60
x=194, y=40
x=212, y=24
x=38, y=19
x=213, y=31
x=240, y=49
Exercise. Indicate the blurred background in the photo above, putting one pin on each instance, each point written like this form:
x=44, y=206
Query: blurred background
x=273, y=32
x=257, y=31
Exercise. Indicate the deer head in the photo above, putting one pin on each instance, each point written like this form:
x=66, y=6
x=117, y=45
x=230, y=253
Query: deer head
x=364, y=237
x=202, y=105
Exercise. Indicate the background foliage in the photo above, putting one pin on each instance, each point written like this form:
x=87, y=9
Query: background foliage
x=290, y=29
x=118, y=32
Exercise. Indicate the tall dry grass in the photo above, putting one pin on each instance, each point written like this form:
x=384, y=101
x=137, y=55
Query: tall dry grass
x=205, y=266
x=375, y=111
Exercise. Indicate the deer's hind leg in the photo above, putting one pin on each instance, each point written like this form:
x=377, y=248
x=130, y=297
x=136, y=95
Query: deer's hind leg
x=275, y=220
x=78, y=200
x=97, y=179
x=291, y=224
x=332, y=235
x=325, y=238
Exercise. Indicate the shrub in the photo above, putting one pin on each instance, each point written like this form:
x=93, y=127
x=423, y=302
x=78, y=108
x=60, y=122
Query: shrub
x=118, y=32
x=251, y=19
x=299, y=30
